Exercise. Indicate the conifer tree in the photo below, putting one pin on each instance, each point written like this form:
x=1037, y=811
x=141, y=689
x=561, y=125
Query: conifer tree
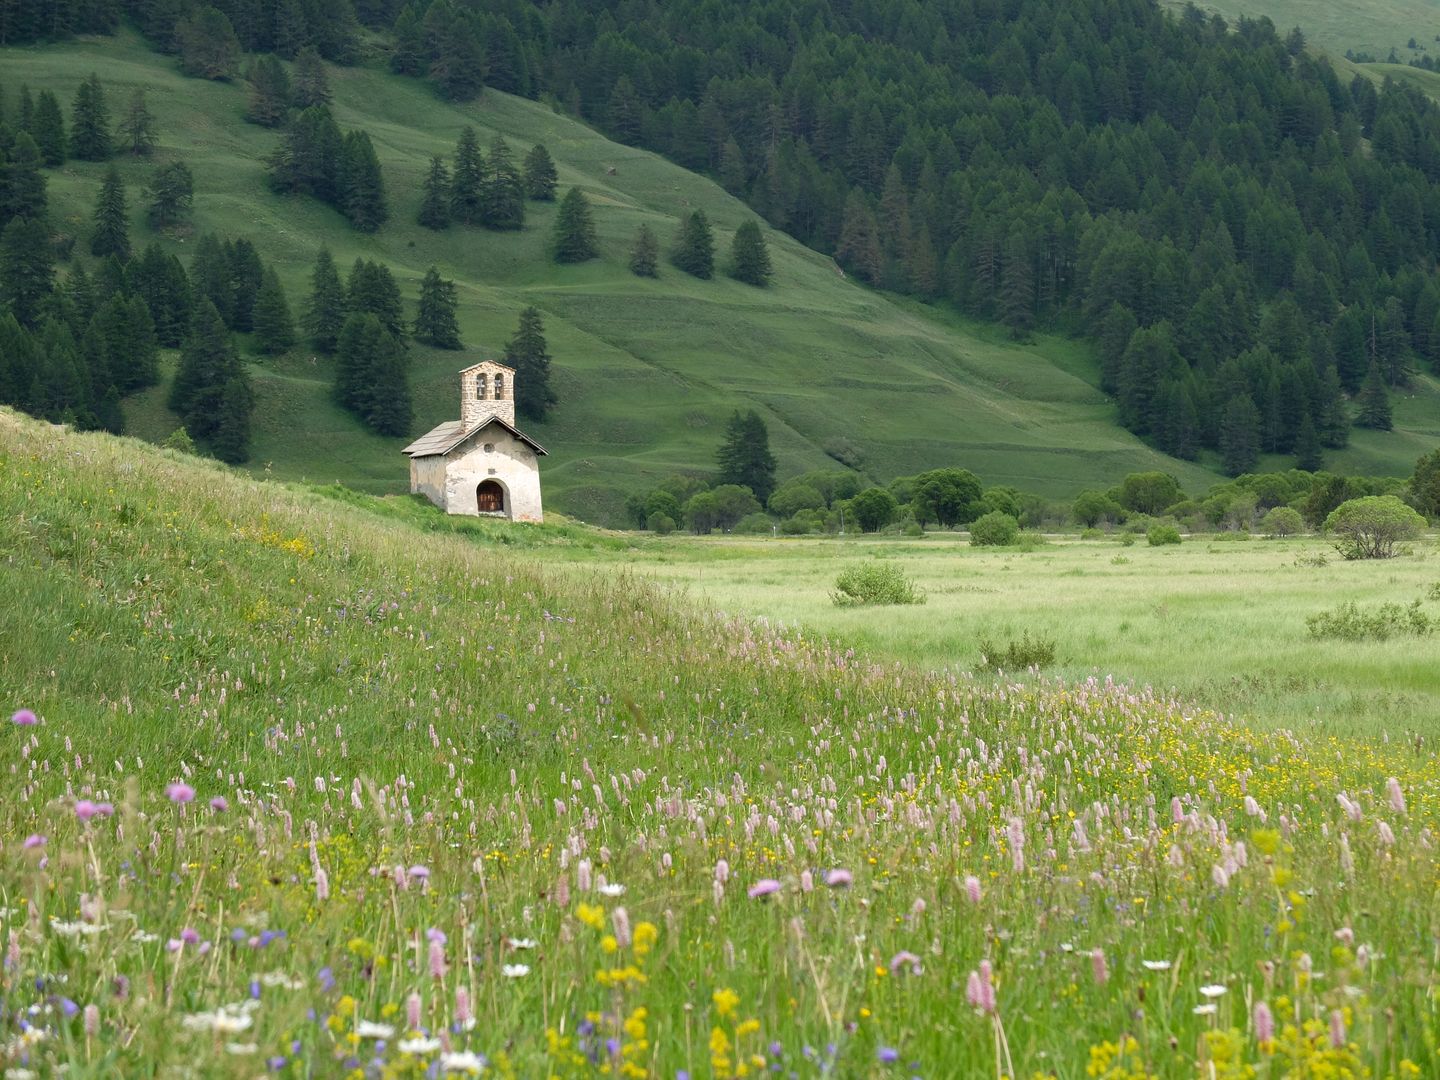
x=371, y=288
x=27, y=271
x=311, y=86
x=160, y=281
x=231, y=440
x=354, y=355
x=435, y=205
x=273, y=324
x=388, y=409
x=361, y=188
x=325, y=311
x=1372, y=404
x=209, y=48
x=1308, y=455
x=502, y=197
x=268, y=103
x=695, y=247
x=858, y=249
x=210, y=276
x=207, y=364
x=749, y=258
x=22, y=184
x=435, y=320
x=247, y=273
x=645, y=253
x=574, y=239
x=540, y=175
x=744, y=457
x=459, y=65
x=1240, y=435
x=1017, y=287
x=137, y=128
x=410, y=53
x=527, y=354
x=90, y=122
x=48, y=128
x=25, y=118
x=111, y=235
x=468, y=179
x=171, y=194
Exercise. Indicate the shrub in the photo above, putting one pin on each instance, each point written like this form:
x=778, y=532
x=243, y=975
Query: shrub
x=994, y=530
x=845, y=452
x=874, y=583
x=1092, y=534
x=798, y=525
x=913, y=528
x=1127, y=539
x=1351, y=623
x=180, y=440
x=1369, y=528
x=874, y=508
x=1160, y=535
x=1282, y=521
x=1026, y=652
x=1030, y=541
x=663, y=524
x=755, y=525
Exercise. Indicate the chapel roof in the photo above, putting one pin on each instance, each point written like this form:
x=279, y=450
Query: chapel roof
x=443, y=438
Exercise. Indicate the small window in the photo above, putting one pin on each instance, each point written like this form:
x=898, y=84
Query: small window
x=480, y=386
x=489, y=447
x=499, y=387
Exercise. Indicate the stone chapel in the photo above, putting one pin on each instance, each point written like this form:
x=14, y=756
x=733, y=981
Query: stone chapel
x=481, y=464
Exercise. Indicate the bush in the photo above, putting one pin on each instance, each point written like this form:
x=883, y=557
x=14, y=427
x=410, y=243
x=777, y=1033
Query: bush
x=1127, y=539
x=874, y=583
x=1092, y=534
x=845, y=452
x=755, y=525
x=1282, y=521
x=874, y=508
x=1030, y=541
x=799, y=525
x=1026, y=652
x=1369, y=528
x=1160, y=535
x=994, y=530
x=1351, y=623
x=663, y=524
x=913, y=528
x=180, y=440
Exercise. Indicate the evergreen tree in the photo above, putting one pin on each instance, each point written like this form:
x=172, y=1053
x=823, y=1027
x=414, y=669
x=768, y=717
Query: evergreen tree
x=22, y=184
x=459, y=65
x=1017, y=288
x=541, y=178
x=160, y=281
x=354, y=358
x=207, y=364
x=371, y=288
x=695, y=247
x=325, y=311
x=311, y=86
x=137, y=129
x=307, y=162
x=90, y=122
x=274, y=326
x=48, y=128
x=111, y=235
x=502, y=197
x=268, y=103
x=388, y=409
x=410, y=53
x=361, y=188
x=26, y=118
x=231, y=439
x=858, y=249
x=1240, y=435
x=120, y=346
x=210, y=278
x=435, y=320
x=1308, y=455
x=468, y=179
x=246, y=274
x=1372, y=404
x=645, y=254
x=574, y=240
x=209, y=48
x=526, y=353
x=435, y=205
x=749, y=258
x=744, y=457
x=171, y=194
x=1333, y=422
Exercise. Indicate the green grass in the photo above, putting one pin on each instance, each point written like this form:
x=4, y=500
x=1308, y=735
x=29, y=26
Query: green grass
x=1374, y=26
x=367, y=697
x=1219, y=622
x=647, y=371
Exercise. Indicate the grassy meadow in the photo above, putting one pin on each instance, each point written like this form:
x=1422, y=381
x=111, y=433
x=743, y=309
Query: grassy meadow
x=297, y=788
x=1374, y=27
x=647, y=371
x=1215, y=620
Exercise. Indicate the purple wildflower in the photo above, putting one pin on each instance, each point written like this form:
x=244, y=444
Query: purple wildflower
x=763, y=888
x=24, y=718
x=180, y=793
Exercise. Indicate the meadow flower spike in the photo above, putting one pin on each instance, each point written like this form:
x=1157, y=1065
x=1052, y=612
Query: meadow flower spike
x=1264, y=1023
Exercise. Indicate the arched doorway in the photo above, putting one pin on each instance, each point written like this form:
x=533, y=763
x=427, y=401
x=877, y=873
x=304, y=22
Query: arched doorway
x=490, y=497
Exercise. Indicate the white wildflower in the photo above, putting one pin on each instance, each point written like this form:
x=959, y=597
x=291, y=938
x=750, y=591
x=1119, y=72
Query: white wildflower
x=1156, y=965
x=523, y=943
x=465, y=1061
x=515, y=971
x=1208, y=1009
x=1214, y=990
x=368, y=1029
x=612, y=888
x=418, y=1045
x=241, y=1048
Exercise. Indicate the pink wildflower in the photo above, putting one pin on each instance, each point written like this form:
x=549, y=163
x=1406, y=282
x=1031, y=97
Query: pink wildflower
x=437, y=960
x=1337, y=1029
x=180, y=793
x=1397, y=797
x=839, y=879
x=92, y=1021
x=34, y=840
x=24, y=718
x=1264, y=1023
x=412, y=1011
x=85, y=809
x=620, y=920
x=219, y=804
x=763, y=888
x=972, y=888
x=462, y=1005
x=904, y=958
x=1098, y=967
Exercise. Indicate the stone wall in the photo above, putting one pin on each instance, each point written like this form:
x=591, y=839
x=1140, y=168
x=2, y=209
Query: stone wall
x=479, y=399
x=427, y=477
x=508, y=461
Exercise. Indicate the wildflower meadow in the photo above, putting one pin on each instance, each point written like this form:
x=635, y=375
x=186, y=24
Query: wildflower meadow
x=293, y=790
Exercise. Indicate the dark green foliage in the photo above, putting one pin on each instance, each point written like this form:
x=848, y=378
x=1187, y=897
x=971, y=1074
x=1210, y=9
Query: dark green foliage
x=1019, y=654
x=205, y=394
x=872, y=509
x=171, y=194
x=467, y=182
x=527, y=353
x=645, y=254
x=409, y=56
x=435, y=205
x=48, y=128
x=310, y=86
x=1350, y=622
x=458, y=56
x=371, y=289
x=24, y=22
x=268, y=101
x=995, y=529
x=694, y=250
x=1240, y=436
x=1308, y=454
x=749, y=258
x=360, y=189
x=325, y=309
x=1425, y=484
x=575, y=240
x=435, y=320
x=308, y=160
x=90, y=122
x=208, y=46
x=246, y=273
x=744, y=457
x=1162, y=535
x=502, y=195
x=371, y=375
x=161, y=282
x=874, y=583
x=22, y=183
x=210, y=278
x=541, y=178
x=271, y=320
x=231, y=440
x=120, y=346
x=137, y=127
x=1372, y=404
x=111, y=235
x=949, y=497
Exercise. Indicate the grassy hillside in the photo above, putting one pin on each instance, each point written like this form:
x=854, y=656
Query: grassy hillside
x=1373, y=26
x=647, y=371
x=295, y=790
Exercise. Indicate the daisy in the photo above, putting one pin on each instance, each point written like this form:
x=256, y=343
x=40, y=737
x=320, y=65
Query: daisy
x=515, y=971
x=1214, y=990
x=1156, y=965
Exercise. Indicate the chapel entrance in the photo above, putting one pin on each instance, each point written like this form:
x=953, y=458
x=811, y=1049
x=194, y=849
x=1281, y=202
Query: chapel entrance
x=490, y=497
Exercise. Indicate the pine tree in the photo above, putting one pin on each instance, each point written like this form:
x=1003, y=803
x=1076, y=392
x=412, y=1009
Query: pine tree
x=307, y=162
x=25, y=119
x=645, y=254
x=1372, y=404
x=859, y=246
x=171, y=194
x=695, y=247
x=137, y=129
x=1240, y=435
x=231, y=440
x=387, y=407
x=22, y=184
x=749, y=258
x=435, y=205
x=112, y=226
x=361, y=188
x=207, y=363
x=502, y=197
x=540, y=175
x=354, y=358
x=410, y=52
x=90, y=122
x=209, y=48
x=435, y=320
x=1333, y=421
x=574, y=240
x=48, y=128
x=274, y=326
x=247, y=273
x=210, y=276
x=527, y=354
x=459, y=65
x=325, y=311
x=371, y=288
x=744, y=457
x=468, y=179
x=269, y=98
x=1308, y=455
x=160, y=281
x=311, y=86
x=1017, y=288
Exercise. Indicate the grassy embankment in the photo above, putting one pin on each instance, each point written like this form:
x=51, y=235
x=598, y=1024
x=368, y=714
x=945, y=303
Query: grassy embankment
x=648, y=372
x=419, y=763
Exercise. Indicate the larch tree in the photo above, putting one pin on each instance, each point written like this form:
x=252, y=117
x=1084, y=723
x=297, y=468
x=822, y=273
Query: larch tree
x=467, y=179
x=749, y=257
x=326, y=309
x=111, y=235
x=574, y=240
x=645, y=253
x=137, y=127
x=171, y=193
x=90, y=122
x=271, y=319
x=527, y=353
x=541, y=178
x=744, y=457
x=435, y=203
x=48, y=128
x=435, y=322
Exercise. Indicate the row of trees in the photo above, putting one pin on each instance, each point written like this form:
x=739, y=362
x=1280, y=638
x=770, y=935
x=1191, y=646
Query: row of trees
x=315, y=158
x=485, y=190
x=89, y=135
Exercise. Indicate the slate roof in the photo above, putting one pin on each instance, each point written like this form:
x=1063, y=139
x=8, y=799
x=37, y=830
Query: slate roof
x=448, y=436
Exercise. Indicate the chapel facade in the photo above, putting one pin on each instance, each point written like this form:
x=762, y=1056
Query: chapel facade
x=481, y=464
